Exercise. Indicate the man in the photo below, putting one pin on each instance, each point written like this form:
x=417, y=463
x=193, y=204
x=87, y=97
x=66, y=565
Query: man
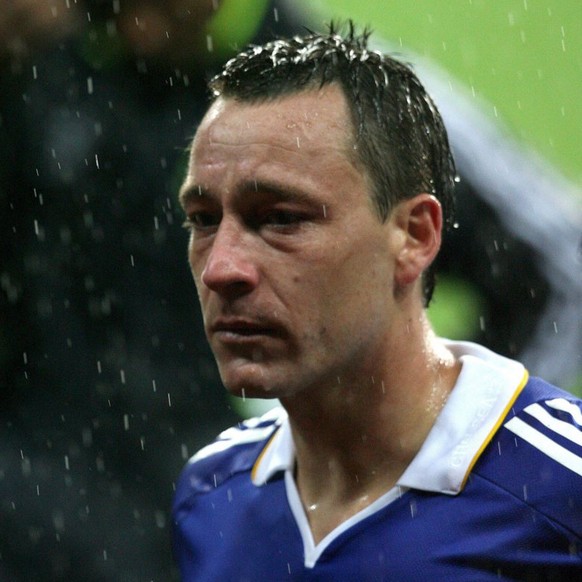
x=319, y=183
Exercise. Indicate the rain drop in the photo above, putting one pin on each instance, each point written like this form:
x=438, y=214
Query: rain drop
x=412, y=509
x=26, y=467
x=87, y=437
x=160, y=518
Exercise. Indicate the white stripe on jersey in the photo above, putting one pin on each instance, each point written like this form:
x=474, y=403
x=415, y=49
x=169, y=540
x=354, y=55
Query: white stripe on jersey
x=561, y=427
x=234, y=437
x=251, y=433
x=565, y=406
x=546, y=445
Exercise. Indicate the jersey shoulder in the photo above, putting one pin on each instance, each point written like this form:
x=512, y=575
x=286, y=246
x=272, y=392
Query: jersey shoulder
x=234, y=451
x=536, y=455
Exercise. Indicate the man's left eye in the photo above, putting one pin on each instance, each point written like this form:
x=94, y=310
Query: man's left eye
x=281, y=218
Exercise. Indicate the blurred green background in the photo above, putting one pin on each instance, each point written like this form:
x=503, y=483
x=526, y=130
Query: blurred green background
x=522, y=57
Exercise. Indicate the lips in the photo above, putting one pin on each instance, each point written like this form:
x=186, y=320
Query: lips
x=241, y=328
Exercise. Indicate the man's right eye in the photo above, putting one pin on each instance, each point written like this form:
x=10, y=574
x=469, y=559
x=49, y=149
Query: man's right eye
x=201, y=221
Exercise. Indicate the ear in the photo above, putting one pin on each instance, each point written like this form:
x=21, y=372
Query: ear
x=420, y=222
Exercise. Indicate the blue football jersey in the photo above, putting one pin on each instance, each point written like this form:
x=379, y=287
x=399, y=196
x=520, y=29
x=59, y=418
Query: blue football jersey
x=495, y=493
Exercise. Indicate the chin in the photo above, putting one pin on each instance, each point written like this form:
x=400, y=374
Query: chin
x=249, y=385
x=254, y=393
x=251, y=391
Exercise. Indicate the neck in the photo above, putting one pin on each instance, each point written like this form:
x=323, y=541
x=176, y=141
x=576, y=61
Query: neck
x=355, y=436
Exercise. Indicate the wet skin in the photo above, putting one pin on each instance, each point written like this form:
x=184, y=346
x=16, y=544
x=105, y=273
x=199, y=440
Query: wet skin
x=296, y=275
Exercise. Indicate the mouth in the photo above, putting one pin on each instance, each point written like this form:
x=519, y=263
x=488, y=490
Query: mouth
x=240, y=330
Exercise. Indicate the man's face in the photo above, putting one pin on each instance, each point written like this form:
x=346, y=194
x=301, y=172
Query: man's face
x=293, y=268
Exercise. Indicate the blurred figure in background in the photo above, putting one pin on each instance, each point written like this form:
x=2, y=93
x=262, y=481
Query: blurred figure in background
x=27, y=26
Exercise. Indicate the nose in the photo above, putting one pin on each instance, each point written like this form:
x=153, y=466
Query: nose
x=229, y=268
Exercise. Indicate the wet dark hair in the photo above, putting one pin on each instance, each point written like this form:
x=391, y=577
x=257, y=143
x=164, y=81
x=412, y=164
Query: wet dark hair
x=401, y=141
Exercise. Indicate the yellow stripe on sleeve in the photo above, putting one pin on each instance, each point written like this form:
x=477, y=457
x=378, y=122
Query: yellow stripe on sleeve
x=511, y=402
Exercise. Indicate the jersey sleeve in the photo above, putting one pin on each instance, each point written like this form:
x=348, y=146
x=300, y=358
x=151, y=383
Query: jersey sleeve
x=537, y=457
x=234, y=451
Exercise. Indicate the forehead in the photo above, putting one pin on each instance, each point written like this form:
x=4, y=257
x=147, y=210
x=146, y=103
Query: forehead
x=314, y=119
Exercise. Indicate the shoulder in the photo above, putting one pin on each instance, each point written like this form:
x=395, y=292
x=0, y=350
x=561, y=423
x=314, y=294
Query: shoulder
x=550, y=421
x=536, y=455
x=234, y=451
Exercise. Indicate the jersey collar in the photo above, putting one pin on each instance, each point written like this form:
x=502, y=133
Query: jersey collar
x=486, y=388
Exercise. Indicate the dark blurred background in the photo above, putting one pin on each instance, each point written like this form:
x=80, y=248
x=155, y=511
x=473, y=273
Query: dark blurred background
x=107, y=385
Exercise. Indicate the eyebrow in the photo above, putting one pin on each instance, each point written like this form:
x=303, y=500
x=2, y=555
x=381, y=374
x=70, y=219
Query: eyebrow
x=192, y=192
